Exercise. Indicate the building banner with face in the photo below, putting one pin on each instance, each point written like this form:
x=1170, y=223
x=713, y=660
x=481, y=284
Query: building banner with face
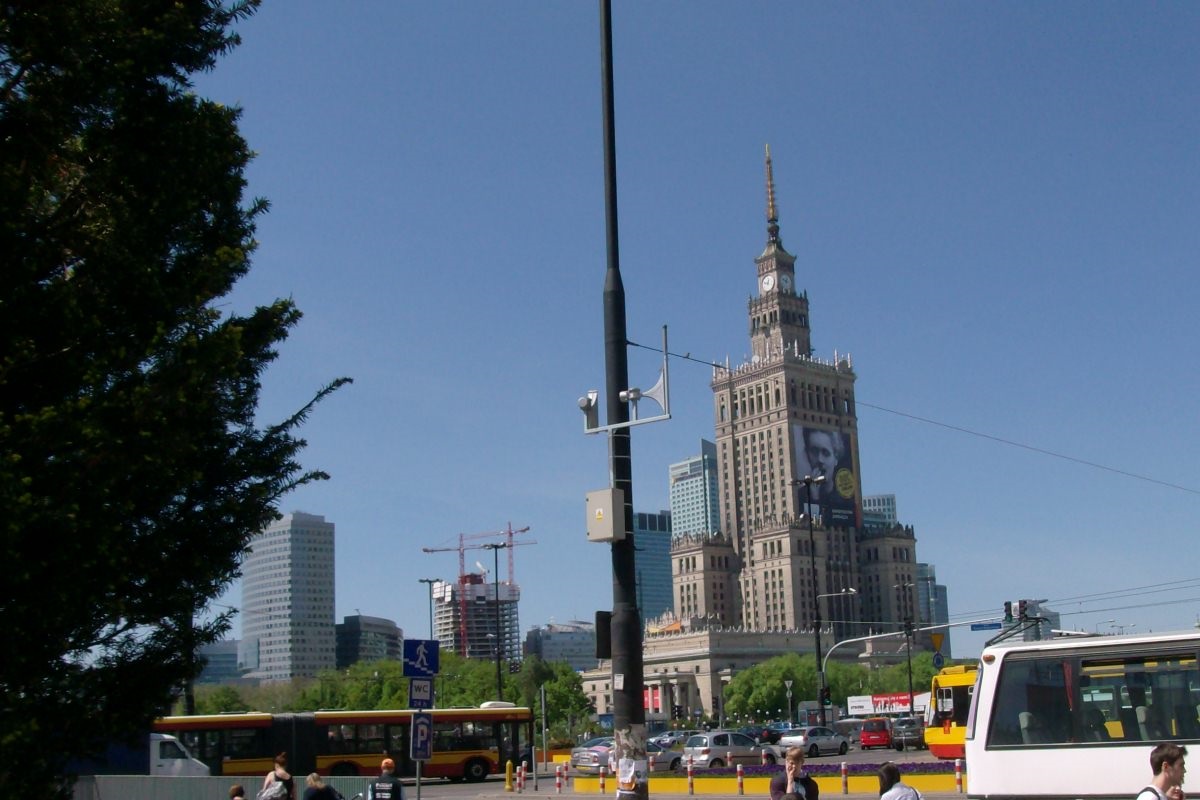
x=830, y=454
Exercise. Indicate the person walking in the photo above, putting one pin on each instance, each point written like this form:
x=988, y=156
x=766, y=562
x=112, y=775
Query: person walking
x=891, y=787
x=794, y=779
x=278, y=775
x=316, y=789
x=1166, y=762
x=387, y=786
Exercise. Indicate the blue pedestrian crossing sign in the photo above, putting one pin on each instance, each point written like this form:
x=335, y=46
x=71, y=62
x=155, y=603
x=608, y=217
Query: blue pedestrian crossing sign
x=420, y=658
x=420, y=746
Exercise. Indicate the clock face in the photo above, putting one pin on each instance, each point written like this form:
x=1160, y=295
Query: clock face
x=785, y=282
x=768, y=283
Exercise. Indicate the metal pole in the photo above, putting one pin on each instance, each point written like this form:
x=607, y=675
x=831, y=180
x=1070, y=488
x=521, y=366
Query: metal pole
x=629, y=717
x=812, y=554
x=431, y=582
x=495, y=548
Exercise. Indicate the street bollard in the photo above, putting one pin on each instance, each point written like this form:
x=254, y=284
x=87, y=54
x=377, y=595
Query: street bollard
x=691, y=775
x=764, y=757
x=741, y=780
x=958, y=775
x=845, y=778
x=603, y=771
x=508, y=776
x=728, y=757
x=558, y=771
x=521, y=778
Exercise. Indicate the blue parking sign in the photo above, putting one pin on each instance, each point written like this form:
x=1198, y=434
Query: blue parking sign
x=420, y=746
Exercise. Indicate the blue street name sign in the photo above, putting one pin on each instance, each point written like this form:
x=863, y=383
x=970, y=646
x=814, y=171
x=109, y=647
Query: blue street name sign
x=421, y=744
x=420, y=658
x=985, y=626
x=420, y=692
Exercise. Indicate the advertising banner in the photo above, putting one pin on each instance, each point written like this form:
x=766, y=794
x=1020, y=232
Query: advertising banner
x=830, y=454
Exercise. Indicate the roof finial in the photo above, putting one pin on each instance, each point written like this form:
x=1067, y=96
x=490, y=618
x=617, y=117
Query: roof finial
x=772, y=216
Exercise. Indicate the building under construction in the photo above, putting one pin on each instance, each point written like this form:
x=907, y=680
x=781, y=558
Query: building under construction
x=468, y=620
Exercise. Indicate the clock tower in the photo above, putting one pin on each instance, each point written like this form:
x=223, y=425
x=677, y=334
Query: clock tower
x=781, y=417
x=778, y=315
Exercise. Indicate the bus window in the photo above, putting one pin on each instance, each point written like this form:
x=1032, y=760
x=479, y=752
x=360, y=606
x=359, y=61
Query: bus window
x=1032, y=703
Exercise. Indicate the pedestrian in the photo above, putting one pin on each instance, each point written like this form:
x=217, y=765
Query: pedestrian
x=316, y=788
x=236, y=792
x=386, y=786
x=891, y=787
x=1166, y=762
x=278, y=777
x=794, y=779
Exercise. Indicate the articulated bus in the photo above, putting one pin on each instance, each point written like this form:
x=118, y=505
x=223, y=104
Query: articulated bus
x=1077, y=718
x=468, y=743
x=949, y=703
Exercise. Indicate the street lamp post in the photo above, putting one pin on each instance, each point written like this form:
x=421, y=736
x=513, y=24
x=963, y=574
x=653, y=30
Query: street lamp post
x=808, y=481
x=908, y=639
x=431, y=582
x=791, y=719
x=496, y=548
x=1102, y=622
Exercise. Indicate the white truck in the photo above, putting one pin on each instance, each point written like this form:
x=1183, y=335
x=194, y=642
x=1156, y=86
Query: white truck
x=159, y=754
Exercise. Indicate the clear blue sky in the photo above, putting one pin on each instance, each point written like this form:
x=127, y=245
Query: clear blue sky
x=995, y=209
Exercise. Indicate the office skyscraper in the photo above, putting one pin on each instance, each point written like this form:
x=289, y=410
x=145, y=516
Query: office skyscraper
x=288, y=600
x=694, y=506
x=652, y=538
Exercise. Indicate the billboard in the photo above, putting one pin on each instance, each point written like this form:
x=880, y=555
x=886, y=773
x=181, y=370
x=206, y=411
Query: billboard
x=829, y=453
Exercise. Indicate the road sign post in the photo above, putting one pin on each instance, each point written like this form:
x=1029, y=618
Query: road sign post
x=420, y=658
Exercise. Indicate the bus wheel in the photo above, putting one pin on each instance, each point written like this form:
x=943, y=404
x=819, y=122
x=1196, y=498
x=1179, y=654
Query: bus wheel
x=475, y=770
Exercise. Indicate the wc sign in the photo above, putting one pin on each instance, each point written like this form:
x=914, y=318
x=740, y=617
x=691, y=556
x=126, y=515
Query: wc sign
x=421, y=744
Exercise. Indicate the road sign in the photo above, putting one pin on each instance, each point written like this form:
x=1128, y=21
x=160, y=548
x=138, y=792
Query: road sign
x=420, y=658
x=421, y=744
x=939, y=661
x=420, y=692
x=985, y=626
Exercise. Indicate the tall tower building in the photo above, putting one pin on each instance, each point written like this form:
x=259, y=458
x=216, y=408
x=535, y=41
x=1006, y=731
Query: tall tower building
x=693, y=482
x=652, y=538
x=288, y=600
x=781, y=417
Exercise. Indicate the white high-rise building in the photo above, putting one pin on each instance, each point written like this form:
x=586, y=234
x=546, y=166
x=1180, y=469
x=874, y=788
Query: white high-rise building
x=694, y=500
x=288, y=600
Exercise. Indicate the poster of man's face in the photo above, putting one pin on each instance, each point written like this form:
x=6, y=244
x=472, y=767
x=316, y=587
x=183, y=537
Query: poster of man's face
x=827, y=456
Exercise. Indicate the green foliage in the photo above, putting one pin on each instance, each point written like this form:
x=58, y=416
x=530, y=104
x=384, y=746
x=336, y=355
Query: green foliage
x=132, y=473
x=219, y=700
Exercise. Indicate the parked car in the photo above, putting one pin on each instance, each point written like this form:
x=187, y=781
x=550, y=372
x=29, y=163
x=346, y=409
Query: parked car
x=876, y=732
x=765, y=734
x=908, y=732
x=669, y=739
x=714, y=749
x=592, y=754
x=815, y=740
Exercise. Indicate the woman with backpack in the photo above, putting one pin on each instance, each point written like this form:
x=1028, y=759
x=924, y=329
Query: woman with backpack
x=278, y=784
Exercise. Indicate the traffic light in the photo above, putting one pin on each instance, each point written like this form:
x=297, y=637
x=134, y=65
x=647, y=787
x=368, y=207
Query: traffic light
x=676, y=712
x=826, y=697
x=1008, y=617
x=1022, y=610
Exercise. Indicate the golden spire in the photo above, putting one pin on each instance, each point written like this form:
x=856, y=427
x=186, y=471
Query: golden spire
x=772, y=216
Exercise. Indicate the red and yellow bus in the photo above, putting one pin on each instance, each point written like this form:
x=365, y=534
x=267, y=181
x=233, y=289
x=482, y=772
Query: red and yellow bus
x=468, y=743
x=949, y=702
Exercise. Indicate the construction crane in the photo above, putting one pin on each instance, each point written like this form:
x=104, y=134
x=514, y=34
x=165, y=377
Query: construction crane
x=463, y=580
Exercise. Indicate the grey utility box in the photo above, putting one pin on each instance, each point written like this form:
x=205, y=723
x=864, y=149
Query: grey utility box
x=606, y=515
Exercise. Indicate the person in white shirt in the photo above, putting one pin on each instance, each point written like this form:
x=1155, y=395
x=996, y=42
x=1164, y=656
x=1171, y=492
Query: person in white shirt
x=891, y=787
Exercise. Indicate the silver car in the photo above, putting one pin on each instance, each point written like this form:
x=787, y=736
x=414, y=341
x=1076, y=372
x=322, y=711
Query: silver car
x=814, y=740
x=590, y=756
x=716, y=749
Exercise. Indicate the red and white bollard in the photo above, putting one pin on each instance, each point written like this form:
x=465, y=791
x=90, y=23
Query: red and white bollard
x=741, y=780
x=958, y=775
x=603, y=772
x=558, y=771
x=691, y=775
x=845, y=778
x=764, y=757
x=521, y=777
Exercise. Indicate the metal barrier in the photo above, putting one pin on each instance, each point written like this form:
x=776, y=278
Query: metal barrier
x=154, y=787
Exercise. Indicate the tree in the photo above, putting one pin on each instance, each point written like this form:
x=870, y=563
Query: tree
x=132, y=473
